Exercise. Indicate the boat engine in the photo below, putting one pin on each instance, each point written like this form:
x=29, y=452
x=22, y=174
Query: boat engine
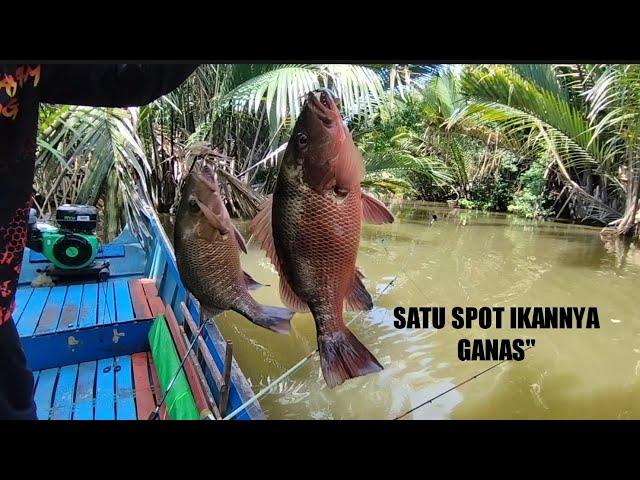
x=72, y=246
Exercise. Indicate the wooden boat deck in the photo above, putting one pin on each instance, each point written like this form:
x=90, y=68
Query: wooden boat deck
x=118, y=388
x=55, y=309
x=124, y=387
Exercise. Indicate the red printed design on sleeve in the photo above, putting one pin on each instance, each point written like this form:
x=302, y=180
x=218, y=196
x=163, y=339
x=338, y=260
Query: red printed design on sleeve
x=12, y=240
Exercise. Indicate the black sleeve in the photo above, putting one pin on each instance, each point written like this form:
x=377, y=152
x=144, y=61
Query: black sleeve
x=110, y=85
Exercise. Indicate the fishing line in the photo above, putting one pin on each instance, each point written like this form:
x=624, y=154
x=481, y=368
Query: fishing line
x=155, y=415
x=106, y=299
x=303, y=360
x=454, y=387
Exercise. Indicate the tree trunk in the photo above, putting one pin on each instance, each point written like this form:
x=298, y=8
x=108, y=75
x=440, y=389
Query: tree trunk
x=628, y=222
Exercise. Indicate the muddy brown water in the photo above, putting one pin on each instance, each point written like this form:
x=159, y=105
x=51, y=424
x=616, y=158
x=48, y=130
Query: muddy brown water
x=466, y=258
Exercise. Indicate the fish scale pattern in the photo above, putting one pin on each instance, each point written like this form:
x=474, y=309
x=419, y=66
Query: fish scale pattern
x=316, y=239
x=211, y=271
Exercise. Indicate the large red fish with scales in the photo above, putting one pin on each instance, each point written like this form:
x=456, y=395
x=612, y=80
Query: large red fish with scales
x=310, y=229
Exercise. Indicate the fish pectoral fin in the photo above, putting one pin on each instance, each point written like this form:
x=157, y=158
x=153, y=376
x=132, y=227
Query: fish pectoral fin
x=349, y=168
x=262, y=230
x=251, y=283
x=217, y=221
x=374, y=211
x=241, y=242
x=358, y=298
x=276, y=319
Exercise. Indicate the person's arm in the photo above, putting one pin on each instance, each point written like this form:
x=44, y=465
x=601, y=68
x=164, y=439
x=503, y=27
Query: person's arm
x=110, y=85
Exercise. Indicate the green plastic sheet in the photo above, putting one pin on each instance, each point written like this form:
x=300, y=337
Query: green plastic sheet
x=179, y=401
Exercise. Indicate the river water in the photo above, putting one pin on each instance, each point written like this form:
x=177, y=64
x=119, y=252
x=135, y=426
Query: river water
x=465, y=258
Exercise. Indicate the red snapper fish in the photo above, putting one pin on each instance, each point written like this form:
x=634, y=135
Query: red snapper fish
x=310, y=229
x=208, y=249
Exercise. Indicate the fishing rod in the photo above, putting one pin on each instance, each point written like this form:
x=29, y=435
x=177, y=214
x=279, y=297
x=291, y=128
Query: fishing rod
x=155, y=415
x=454, y=388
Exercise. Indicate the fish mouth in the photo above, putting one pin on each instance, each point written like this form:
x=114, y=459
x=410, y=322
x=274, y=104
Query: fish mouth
x=207, y=176
x=323, y=104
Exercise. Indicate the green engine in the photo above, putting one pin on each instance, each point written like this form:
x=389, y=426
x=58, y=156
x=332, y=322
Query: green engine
x=73, y=245
x=70, y=250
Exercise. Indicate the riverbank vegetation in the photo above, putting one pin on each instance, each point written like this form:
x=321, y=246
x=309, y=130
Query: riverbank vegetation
x=540, y=141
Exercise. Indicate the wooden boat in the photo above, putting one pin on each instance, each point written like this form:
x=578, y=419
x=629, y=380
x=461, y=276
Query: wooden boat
x=87, y=341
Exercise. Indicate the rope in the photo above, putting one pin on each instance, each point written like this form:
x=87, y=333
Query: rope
x=302, y=361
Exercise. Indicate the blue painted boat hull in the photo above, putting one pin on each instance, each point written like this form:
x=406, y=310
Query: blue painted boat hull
x=80, y=338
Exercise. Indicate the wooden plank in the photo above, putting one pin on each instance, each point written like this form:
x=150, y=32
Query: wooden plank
x=149, y=287
x=125, y=404
x=63, y=399
x=151, y=292
x=52, y=309
x=44, y=392
x=85, y=344
x=152, y=258
x=168, y=289
x=71, y=308
x=110, y=251
x=157, y=307
x=155, y=384
x=189, y=368
x=160, y=268
x=105, y=390
x=88, y=315
x=139, y=299
x=224, y=394
x=84, y=391
x=181, y=296
x=124, y=307
x=203, y=380
x=157, y=388
x=106, y=303
x=203, y=349
x=31, y=315
x=144, y=396
x=22, y=298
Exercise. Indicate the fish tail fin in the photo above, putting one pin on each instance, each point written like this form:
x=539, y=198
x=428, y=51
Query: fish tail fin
x=276, y=319
x=343, y=356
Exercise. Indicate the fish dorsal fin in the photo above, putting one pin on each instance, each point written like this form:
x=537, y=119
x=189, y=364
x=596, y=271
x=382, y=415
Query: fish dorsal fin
x=374, y=211
x=358, y=298
x=216, y=220
x=241, y=242
x=262, y=230
x=250, y=282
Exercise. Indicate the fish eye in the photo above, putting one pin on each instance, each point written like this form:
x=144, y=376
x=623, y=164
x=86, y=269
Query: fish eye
x=302, y=140
x=193, y=205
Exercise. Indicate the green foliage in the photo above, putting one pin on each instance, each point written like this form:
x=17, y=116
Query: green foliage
x=425, y=133
x=530, y=199
x=396, y=155
x=493, y=192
